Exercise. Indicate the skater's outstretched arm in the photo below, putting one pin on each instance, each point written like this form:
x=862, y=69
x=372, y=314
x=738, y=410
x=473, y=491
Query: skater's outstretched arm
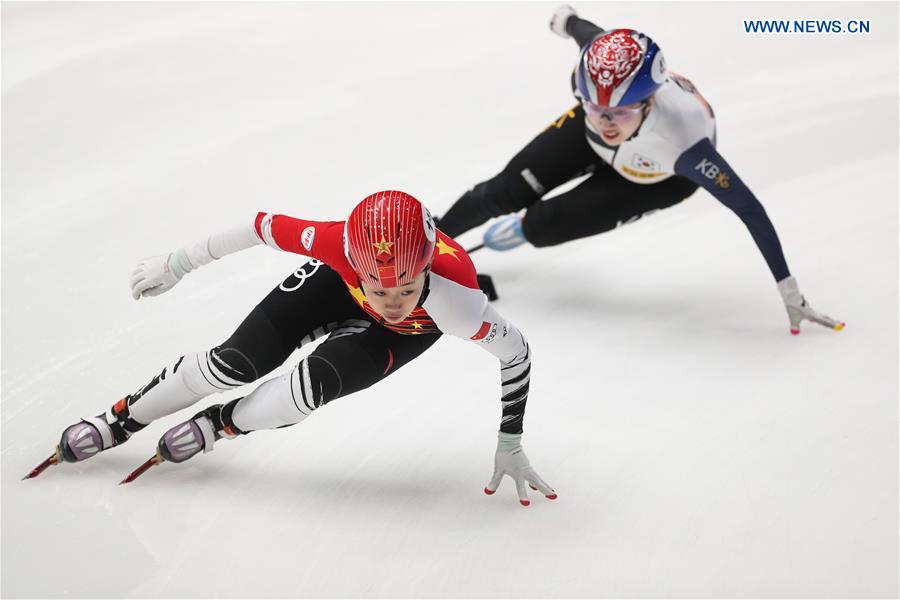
x=158, y=274
x=461, y=309
x=703, y=165
x=565, y=22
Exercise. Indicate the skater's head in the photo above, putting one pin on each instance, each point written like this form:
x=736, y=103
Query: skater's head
x=394, y=304
x=615, y=79
x=389, y=240
x=615, y=125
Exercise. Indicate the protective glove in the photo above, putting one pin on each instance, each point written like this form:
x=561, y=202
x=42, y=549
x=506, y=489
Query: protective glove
x=158, y=274
x=559, y=19
x=798, y=308
x=510, y=460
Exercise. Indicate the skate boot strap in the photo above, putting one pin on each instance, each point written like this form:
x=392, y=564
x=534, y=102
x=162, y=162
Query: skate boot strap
x=209, y=434
x=120, y=414
x=104, y=429
x=220, y=420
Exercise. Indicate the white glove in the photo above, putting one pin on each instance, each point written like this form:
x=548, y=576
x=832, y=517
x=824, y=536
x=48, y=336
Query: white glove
x=559, y=19
x=510, y=460
x=798, y=308
x=157, y=274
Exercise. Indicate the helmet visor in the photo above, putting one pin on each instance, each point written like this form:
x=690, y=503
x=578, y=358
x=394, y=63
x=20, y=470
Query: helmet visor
x=619, y=115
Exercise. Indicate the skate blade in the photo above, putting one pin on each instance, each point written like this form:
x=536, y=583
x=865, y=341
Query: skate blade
x=154, y=460
x=53, y=459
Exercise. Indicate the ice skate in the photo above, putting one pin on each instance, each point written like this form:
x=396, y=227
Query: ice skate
x=85, y=439
x=187, y=439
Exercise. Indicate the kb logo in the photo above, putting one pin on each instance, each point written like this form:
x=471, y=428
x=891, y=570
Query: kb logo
x=710, y=170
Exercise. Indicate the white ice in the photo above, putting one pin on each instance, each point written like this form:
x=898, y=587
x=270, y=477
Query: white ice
x=697, y=447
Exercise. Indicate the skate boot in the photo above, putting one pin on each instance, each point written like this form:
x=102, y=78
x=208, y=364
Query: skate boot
x=186, y=440
x=91, y=436
x=95, y=434
x=197, y=434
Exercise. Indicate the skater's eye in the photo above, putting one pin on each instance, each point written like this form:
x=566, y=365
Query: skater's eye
x=408, y=292
x=378, y=293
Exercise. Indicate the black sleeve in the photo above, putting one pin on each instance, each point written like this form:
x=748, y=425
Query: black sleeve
x=582, y=31
x=703, y=165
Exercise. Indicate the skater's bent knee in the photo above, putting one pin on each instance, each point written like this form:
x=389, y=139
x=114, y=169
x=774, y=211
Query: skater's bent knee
x=234, y=364
x=215, y=370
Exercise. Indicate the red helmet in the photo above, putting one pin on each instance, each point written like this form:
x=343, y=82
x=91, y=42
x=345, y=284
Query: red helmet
x=389, y=238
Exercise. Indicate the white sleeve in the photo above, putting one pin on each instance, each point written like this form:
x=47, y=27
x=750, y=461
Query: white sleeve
x=465, y=313
x=220, y=244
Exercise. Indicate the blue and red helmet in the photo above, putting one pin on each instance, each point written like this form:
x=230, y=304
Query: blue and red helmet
x=618, y=68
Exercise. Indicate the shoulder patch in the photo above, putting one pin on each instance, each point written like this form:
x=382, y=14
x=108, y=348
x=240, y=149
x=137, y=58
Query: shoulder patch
x=487, y=332
x=307, y=237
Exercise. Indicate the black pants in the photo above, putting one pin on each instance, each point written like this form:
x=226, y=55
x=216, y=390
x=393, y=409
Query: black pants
x=602, y=202
x=311, y=302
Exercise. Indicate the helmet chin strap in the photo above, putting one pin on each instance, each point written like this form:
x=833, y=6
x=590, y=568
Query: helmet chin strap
x=425, y=288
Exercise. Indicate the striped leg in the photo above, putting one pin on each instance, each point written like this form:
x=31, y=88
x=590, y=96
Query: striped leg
x=356, y=355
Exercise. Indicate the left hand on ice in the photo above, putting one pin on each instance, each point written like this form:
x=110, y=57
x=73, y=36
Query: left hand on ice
x=510, y=460
x=798, y=308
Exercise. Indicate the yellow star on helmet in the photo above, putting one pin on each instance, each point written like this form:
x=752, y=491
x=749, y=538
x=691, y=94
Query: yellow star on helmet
x=445, y=248
x=383, y=246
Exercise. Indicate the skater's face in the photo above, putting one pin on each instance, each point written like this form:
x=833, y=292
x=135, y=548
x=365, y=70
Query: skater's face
x=615, y=125
x=395, y=304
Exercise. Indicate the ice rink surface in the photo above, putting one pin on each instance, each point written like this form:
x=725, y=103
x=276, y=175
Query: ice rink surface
x=698, y=449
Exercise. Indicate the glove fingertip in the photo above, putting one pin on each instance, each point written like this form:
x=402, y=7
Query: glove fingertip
x=489, y=491
x=552, y=496
x=795, y=331
x=840, y=326
x=525, y=502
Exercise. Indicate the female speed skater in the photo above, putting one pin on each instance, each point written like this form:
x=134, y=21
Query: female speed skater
x=648, y=140
x=384, y=285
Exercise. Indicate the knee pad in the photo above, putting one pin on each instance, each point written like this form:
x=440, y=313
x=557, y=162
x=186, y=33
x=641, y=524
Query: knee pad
x=288, y=399
x=216, y=370
x=317, y=382
x=191, y=377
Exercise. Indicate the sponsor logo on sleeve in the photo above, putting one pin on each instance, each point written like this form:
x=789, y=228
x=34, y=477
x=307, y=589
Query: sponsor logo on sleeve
x=713, y=172
x=722, y=181
x=307, y=237
x=486, y=333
